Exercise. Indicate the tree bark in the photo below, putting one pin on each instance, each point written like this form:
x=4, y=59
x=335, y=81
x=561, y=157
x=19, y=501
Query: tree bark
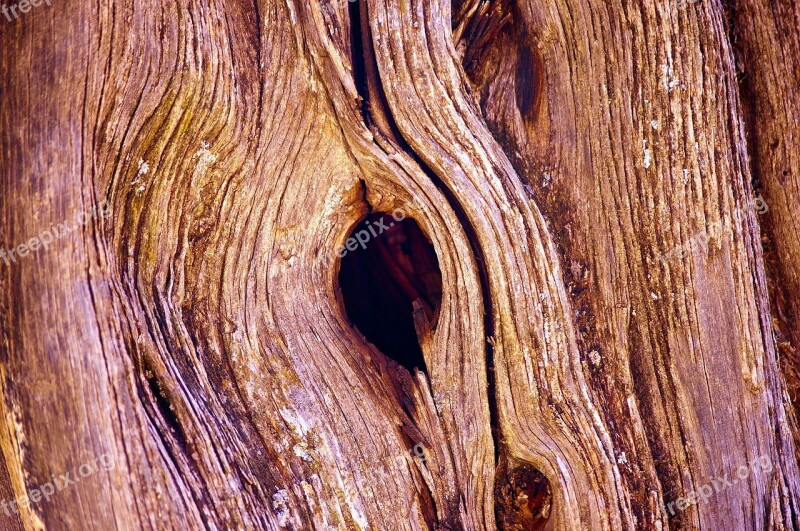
x=602, y=337
x=766, y=35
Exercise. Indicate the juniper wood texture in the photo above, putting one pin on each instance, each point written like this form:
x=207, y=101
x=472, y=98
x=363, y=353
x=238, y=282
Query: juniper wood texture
x=550, y=150
x=767, y=42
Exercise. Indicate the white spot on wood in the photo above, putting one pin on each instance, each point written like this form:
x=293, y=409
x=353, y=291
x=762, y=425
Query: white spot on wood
x=205, y=158
x=668, y=78
x=144, y=167
x=631, y=403
x=301, y=451
x=295, y=422
x=648, y=155
x=595, y=358
x=279, y=503
x=142, y=170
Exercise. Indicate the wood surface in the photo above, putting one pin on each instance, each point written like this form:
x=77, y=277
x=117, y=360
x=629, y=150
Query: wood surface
x=595, y=249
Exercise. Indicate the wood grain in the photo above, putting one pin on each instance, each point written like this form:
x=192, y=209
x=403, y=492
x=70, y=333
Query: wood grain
x=552, y=152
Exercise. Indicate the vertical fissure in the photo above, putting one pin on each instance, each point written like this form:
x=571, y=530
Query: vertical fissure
x=376, y=106
x=357, y=59
x=522, y=493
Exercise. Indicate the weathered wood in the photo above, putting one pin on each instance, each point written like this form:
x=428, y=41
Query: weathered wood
x=604, y=346
x=767, y=40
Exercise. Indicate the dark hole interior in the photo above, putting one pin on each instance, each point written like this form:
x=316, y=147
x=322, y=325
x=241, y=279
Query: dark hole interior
x=523, y=499
x=388, y=265
x=529, y=82
x=162, y=401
